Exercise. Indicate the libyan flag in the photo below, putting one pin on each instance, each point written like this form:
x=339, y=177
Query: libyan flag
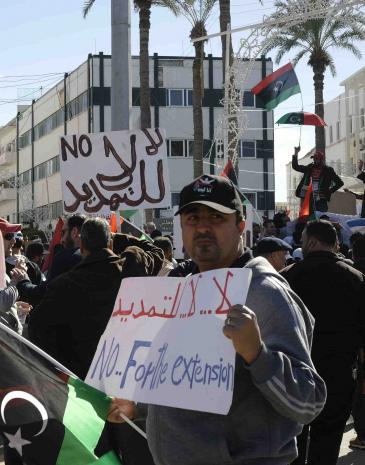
x=277, y=87
x=307, y=210
x=230, y=173
x=47, y=417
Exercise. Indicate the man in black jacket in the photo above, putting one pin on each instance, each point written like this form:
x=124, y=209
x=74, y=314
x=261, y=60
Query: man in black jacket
x=77, y=306
x=334, y=293
x=324, y=179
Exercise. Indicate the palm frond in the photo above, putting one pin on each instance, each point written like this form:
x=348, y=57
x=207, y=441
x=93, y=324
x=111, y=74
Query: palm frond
x=87, y=7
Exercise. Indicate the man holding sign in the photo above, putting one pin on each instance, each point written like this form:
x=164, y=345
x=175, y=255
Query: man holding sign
x=276, y=388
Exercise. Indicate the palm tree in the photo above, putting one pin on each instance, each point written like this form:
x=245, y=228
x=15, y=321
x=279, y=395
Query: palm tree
x=197, y=13
x=144, y=9
x=314, y=39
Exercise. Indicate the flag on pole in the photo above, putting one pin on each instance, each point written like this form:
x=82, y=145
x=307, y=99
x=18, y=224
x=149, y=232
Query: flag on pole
x=230, y=173
x=48, y=417
x=56, y=239
x=277, y=87
x=307, y=210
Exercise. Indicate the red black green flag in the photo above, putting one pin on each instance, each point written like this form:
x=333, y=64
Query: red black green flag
x=47, y=417
x=277, y=87
x=307, y=210
x=230, y=173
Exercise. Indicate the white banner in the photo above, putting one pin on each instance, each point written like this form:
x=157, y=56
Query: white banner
x=117, y=170
x=164, y=342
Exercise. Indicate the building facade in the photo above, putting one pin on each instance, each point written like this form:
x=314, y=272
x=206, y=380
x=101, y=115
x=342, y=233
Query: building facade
x=80, y=103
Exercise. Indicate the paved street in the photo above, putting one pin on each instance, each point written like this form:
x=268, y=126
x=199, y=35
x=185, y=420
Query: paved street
x=347, y=456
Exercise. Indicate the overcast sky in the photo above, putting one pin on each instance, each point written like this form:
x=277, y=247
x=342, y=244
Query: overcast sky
x=43, y=37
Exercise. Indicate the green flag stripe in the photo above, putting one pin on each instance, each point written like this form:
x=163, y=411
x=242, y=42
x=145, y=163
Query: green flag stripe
x=282, y=96
x=108, y=459
x=84, y=419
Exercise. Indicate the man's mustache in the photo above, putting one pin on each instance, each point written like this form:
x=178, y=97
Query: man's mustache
x=204, y=236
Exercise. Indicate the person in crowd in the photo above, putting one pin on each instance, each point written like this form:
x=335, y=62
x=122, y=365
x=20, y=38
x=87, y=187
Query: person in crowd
x=276, y=387
x=354, y=237
x=77, y=306
x=298, y=255
x=334, y=293
x=35, y=253
x=269, y=228
x=151, y=230
x=18, y=259
x=275, y=250
x=361, y=176
x=281, y=219
x=62, y=262
x=324, y=179
x=10, y=307
x=165, y=245
x=295, y=240
x=358, y=410
x=256, y=233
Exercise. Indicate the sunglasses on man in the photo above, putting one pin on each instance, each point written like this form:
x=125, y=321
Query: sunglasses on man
x=9, y=236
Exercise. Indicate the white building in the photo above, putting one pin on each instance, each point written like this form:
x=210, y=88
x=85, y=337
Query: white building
x=80, y=103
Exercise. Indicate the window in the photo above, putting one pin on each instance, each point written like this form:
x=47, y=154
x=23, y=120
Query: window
x=331, y=134
x=248, y=99
x=177, y=148
x=180, y=97
x=247, y=149
x=351, y=126
x=362, y=118
x=25, y=177
x=176, y=97
x=251, y=197
x=338, y=130
x=189, y=97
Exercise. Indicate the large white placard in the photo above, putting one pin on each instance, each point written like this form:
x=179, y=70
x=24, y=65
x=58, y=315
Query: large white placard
x=117, y=170
x=164, y=342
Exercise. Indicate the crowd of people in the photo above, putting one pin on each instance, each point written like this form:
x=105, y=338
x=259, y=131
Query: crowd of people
x=298, y=340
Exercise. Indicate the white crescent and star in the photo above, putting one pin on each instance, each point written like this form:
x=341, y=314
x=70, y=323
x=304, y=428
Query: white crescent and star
x=278, y=87
x=15, y=440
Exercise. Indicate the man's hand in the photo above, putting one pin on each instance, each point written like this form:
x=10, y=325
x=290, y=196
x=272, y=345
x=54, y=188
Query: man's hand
x=18, y=274
x=242, y=328
x=118, y=406
x=20, y=264
x=360, y=165
x=296, y=150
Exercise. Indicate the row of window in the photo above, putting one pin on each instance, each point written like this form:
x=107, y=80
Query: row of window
x=184, y=148
x=44, y=170
x=44, y=213
x=184, y=98
x=75, y=107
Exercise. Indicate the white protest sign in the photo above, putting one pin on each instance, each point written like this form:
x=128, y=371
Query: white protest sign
x=116, y=170
x=164, y=342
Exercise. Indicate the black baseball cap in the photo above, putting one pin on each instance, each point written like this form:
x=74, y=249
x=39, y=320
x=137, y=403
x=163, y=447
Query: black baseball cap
x=216, y=192
x=271, y=244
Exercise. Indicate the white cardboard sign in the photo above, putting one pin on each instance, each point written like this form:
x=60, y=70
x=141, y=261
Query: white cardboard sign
x=113, y=171
x=164, y=342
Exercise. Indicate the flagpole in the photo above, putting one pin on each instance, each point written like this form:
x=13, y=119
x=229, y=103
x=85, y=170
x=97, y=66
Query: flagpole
x=60, y=367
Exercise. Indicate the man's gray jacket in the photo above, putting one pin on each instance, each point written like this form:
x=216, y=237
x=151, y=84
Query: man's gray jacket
x=273, y=397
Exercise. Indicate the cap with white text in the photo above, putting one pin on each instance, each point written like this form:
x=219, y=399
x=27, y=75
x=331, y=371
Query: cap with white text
x=216, y=192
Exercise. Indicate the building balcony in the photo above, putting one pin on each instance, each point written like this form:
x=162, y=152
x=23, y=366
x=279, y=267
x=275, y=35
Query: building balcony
x=7, y=158
x=7, y=193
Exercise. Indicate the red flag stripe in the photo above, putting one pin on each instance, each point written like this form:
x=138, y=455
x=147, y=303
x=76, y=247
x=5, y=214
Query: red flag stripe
x=272, y=77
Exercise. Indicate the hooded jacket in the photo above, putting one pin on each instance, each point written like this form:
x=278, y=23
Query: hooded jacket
x=77, y=306
x=272, y=397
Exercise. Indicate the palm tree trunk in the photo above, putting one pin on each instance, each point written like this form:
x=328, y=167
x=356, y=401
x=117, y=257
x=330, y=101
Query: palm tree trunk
x=224, y=20
x=197, y=108
x=318, y=78
x=144, y=63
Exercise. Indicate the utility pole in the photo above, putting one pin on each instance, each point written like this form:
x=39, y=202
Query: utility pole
x=121, y=91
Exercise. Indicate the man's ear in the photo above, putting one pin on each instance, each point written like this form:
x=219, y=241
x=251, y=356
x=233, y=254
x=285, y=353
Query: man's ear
x=241, y=226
